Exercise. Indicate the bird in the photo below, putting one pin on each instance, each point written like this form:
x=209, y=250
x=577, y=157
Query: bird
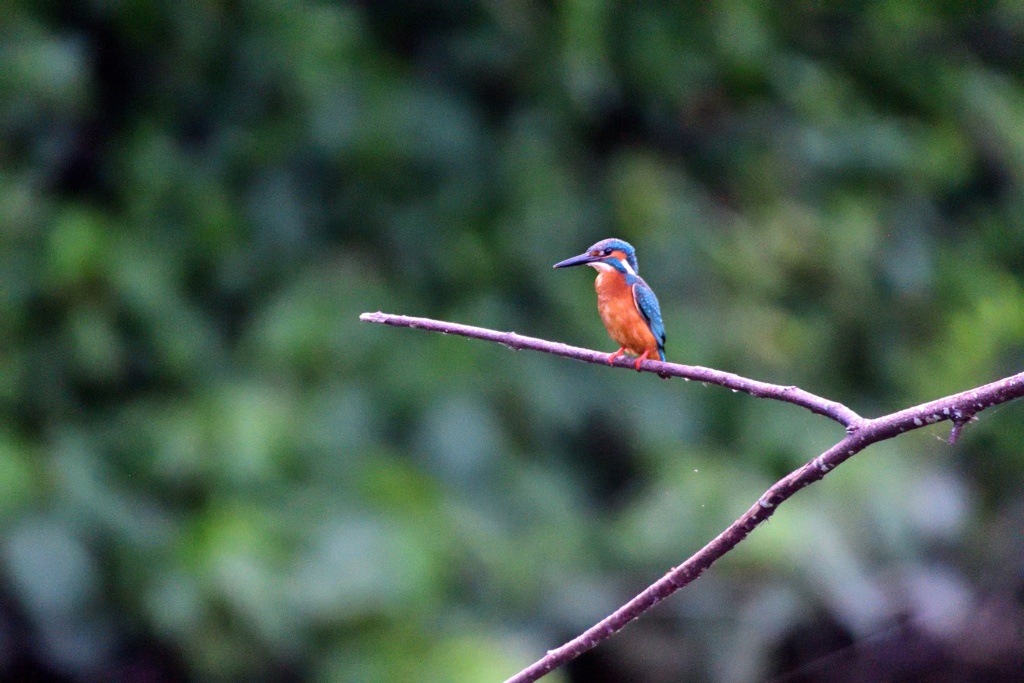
x=627, y=305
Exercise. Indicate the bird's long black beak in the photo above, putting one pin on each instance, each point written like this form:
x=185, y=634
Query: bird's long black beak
x=580, y=260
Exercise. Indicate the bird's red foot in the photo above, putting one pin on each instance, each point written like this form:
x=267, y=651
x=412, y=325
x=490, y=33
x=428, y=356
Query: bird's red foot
x=612, y=357
x=640, y=360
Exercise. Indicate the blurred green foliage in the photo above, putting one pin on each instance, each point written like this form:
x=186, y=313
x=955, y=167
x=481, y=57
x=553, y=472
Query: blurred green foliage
x=210, y=470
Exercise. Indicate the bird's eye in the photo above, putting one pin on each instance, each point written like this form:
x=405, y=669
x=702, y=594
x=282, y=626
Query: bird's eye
x=607, y=252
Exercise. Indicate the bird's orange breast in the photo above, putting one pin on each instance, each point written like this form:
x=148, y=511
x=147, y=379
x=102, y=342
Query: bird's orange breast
x=618, y=312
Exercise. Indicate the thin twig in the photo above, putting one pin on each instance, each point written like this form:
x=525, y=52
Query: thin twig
x=958, y=408
x=794, y=395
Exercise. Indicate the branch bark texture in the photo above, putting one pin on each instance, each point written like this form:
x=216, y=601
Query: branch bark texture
x=794, y=395
x=860, y=433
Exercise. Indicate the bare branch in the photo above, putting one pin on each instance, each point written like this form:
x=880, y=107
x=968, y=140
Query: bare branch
x=958, y=408
x=794, y=395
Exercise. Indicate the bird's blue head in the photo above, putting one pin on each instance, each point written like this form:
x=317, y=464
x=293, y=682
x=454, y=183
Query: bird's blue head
x=609, y=253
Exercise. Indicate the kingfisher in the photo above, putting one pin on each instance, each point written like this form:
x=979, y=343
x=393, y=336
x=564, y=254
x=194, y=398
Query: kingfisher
x=627, y=305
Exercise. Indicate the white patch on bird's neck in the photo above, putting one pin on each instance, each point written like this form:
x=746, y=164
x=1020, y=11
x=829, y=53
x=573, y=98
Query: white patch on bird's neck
x=606, y=268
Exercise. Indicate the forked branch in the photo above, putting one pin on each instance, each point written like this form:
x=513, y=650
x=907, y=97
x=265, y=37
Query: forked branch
x=861, y=433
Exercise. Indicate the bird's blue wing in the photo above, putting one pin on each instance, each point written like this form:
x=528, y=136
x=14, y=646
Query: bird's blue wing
x=647, y=304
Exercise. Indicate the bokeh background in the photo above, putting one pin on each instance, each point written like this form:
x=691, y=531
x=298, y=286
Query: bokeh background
x=210, y=470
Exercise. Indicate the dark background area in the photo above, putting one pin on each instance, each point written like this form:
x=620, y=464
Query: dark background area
x=210, y=470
